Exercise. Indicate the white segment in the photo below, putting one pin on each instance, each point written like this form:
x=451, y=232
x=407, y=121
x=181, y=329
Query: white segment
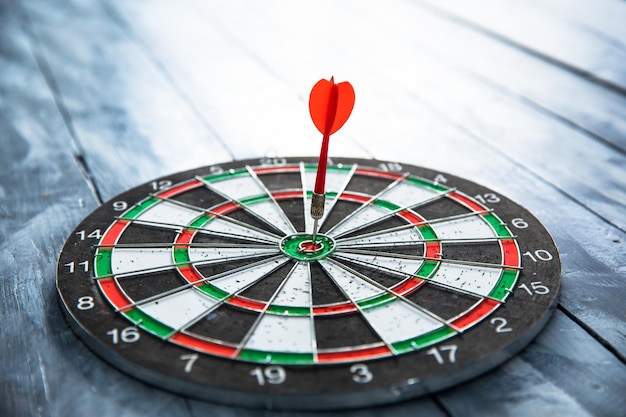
x=405, y=235
x=363, y=216
x=239, y=187
x=178, y=309
x=296, y=290
x=399, y=321
x=238, y=280
x=468, y=227
x=172, y=214
x=282, y=333
x=406, y=194
x=219, y=254
x=407, y=266
x=334, y=180
x=334, y=183
x=127, y=260
x=221, y=226
x=269, y=211
x=355, y=287
x=469, y=278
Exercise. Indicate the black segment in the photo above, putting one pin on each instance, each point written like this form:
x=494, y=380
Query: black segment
x=338, y=213
x=139, y=287
x=441, y=301
x=443, y=207
x=487, y=252
x=210, y=270
x=200, y=197
x=367, y=185
x=266, y=288
x=387, y=223
x=416, y=249
x=324, y=289
x=344, y=330
x=294, y=210
x=382, y=277
x=283, y=181
x=137, y=233
x=254, y=221
x=226, y=323
x=204, y=237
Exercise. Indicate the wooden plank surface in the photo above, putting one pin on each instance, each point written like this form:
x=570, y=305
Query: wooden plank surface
x=96, y=97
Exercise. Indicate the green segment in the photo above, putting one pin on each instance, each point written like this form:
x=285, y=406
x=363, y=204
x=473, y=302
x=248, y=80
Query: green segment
x=148, y=323
x=277, y=357
x=139, y=208
x=291, y=246
x=181, y=257
x=378, y=301
x=425, y=183
x=213, y=291
x=428, y=233
x=422, y=341
x=103, y=262
x=505, y=284
x=328, y=168
x=387, y=205
x=225, y=175
x=289, y=310
x=497, y=225
x=428, y=269
x=199, y=222
x=329, y=194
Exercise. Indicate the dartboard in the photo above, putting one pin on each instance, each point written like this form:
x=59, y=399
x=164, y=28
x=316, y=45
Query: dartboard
x=207, y=282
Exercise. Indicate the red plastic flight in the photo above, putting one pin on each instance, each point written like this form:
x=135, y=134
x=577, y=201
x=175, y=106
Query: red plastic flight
x=330, y=106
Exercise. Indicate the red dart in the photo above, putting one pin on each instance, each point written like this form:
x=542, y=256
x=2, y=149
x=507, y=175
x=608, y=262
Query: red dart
x=330, y=106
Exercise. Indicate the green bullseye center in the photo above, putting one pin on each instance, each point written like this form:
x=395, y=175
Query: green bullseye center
x=302, y=248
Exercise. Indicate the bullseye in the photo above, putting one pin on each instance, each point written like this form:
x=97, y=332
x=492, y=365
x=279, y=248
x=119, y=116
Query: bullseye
x=301, y=247
x=308, y=246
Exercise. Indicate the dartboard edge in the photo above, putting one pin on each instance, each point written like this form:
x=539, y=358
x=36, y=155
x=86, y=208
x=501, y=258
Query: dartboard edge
x=202, y=283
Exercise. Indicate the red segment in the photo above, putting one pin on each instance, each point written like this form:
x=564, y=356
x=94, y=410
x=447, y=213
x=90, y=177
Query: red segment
x=466, y=201
x=370, y=353
x=203, y=345
x=191, y=275
x=355, y=198
x=283, y=195
x=271, y=170
x=110, y=289
x=433, y=250
x=346, y=307
x=226, y=208
x=181, y=188
x=184, y=238
x=510, y=254
x=246, y=303
x=114, y=232
x=411, y=217
x=379, y=174
x=408, y=286
x=482, y=310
